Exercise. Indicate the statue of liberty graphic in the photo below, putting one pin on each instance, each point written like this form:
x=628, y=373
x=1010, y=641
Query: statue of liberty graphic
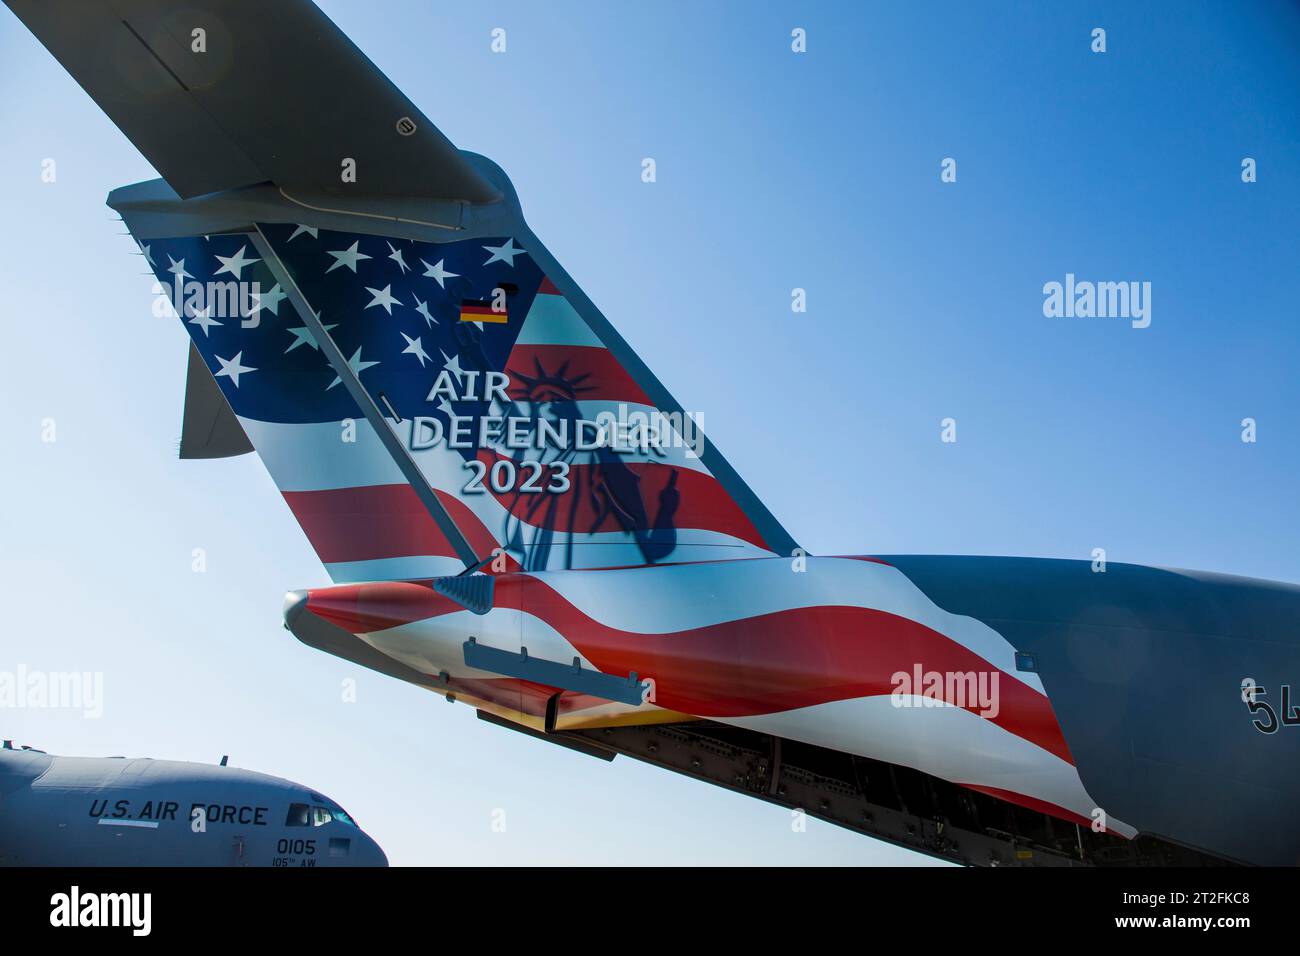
x=604, y=495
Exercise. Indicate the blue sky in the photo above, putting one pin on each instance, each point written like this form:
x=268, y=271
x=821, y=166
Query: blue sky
x=775, y=171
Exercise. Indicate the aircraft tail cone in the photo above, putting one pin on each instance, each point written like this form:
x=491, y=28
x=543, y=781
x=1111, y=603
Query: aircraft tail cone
x=295, y=603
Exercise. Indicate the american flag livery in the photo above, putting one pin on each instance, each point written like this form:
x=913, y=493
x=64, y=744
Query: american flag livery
x=815, y=655
x=403, y=313
x=812, y=655
x=420, y=377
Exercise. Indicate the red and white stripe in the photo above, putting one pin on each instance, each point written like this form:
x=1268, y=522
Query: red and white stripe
x=804, y=655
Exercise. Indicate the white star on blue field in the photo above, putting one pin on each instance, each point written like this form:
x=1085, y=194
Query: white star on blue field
x=386, y=318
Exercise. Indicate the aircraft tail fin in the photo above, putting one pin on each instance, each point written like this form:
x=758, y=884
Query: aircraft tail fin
x=471, y=410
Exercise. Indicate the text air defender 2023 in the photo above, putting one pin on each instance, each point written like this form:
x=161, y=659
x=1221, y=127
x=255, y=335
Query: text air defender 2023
x=518, y=515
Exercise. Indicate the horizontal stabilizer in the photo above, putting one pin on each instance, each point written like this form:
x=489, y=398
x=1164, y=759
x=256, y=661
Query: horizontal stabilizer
x=220, y=94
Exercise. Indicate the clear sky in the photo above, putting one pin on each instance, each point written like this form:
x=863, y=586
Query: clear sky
x=776, y=170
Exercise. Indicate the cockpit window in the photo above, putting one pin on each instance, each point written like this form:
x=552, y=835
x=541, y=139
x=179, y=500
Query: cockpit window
x=341, y=815
x=315, y=815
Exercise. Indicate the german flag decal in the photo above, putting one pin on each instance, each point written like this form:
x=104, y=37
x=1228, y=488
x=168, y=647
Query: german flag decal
x=480, y=310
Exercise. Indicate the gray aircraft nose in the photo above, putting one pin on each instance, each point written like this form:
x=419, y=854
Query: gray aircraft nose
x=369, y=852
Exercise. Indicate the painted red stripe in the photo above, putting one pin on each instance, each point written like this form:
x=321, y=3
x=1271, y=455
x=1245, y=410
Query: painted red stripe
x=593, y=373
x=383, y=521
x=547, y=287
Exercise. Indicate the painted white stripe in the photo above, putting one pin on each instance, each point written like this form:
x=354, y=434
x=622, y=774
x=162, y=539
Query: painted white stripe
x=142, y=824
x=650, y=600
x=947, y=742
x=313, y=456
